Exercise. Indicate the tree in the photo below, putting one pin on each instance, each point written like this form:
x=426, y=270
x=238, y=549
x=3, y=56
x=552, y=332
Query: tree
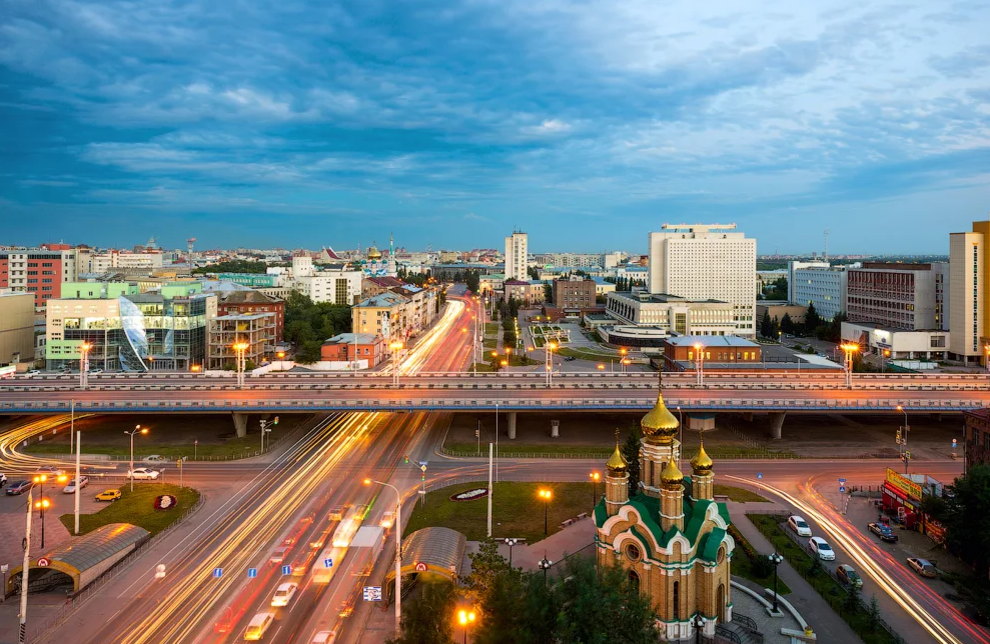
x=852, y=602
x=232, y=266
x=966, y=518
x=812, y=319
x=873, y=612
x=766, y=325
x=533, y=272
x=430, y=618
x=630, y=451
x=786, y=324
x=547, y=292
x=473, y=282
x=486, y=565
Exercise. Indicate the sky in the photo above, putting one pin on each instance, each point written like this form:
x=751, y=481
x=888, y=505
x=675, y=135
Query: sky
x=586, y=123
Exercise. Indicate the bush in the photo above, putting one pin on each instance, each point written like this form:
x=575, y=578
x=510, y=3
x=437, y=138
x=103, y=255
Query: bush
x=762, y=566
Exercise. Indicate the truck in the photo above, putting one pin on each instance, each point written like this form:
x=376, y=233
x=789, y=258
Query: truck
x=364, y=550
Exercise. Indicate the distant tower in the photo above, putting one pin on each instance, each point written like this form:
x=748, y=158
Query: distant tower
x=825, y=258
x=392, y=271
x=189, y=245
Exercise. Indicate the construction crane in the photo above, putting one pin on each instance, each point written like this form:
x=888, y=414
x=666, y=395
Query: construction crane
x=189, y=245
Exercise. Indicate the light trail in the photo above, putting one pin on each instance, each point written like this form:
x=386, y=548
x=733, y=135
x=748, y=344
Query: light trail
x=10, y=441
x=840, y=535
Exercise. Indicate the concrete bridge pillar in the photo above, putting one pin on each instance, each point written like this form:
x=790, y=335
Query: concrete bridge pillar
x=747, y=416
x=240, y=423
x=512, y=425
x=776, y=423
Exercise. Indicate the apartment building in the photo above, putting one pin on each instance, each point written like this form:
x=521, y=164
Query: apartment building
x=818, y=284
x=909, y=297
x=516, y=256
x=251, y=302
x=16, y=327
x=335, y=287
x=573, y=293
x=383, y=315
x=970, y=288
x=701, y=262
x=255, y=330
x=39, y=271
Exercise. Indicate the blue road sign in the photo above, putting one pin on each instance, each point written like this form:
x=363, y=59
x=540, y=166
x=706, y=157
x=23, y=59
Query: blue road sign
x=286, y=570
x=372, y=593
x=218, y=572
x=842, y=480
x=252, y=573
x=842, y=489
x=759, y=475
x=328, y=563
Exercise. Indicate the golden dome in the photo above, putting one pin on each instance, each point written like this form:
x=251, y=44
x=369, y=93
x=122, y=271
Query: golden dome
x=374, y=253
x=670, y=474
x=702, y=463
x=659, y=426
x=617, y=464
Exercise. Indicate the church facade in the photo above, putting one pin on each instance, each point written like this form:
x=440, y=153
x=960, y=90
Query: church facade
x=669, y=535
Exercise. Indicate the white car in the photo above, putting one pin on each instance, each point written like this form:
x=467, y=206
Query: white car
x=71, y=487
x=155, y=458
x=143, y=474
x=284, y=594
x=32, y=373
x=817, y=545
x=324, y=637
x=799, y=525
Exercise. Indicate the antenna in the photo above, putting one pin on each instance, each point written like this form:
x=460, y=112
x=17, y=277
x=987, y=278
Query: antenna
x=826, y=245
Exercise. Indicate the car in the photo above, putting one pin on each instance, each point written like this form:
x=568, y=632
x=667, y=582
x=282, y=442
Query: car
x=278, y=556
x=387, y=520
x=284, y=594
x=848, y=576
x=155, y=458
x=799, y=525
x=71, y=487
x=923, y=567
x=108, y=495
x=95, y=371
x=569, y=358
x=817, y=545
x=258, y=626
x=337, y=513
x=347, y=608
x=19, y=487
x=324, y=637
x=32, y=373
x=143, y=474
x=3, y=479
x=884, y=531
x=50, y=471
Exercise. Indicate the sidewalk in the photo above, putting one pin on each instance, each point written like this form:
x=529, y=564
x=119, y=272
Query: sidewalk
x=567, y=541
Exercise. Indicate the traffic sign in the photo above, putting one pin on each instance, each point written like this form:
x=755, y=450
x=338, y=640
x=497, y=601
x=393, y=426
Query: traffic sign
x=43, y=562
x=842, y=480
x=842, y=489
x=218, y=572
x=286, y=570
x=252, y=573
x=420, y=566
x=328, y=563
x=759, y=475
x=953, y=443
x=372, y=593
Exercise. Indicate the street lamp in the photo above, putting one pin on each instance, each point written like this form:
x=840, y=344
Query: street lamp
x=849, y=348
x=548, y=353
x=466, y=618
x=886, y=357
x=544, y=565
x=622, y=360
x=600, y=367
x=137, y=430
x=699, y=625
x=699, y=363
x=510, y=542
x=42, y=504
x=776, y=560
x=395, y=347
x=595, y=477
x=240, y=349
x=281, y=356
x=84, y=364
x=398, y=552
x=905, y=454
x=546, y=495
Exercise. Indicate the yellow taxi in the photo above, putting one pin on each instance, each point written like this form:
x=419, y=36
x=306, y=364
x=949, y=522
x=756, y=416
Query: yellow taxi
x=108, y=495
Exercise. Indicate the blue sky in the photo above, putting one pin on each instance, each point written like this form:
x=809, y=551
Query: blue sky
x=586, y=123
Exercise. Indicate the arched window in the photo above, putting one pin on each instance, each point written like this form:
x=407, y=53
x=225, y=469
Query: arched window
x=633, y=553
x=634, y=580
x=677, y=600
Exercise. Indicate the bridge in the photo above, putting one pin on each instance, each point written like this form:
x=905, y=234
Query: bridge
x=508, y=392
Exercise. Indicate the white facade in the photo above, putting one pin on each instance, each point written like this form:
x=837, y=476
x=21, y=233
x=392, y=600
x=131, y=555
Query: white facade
x=819, y=285
x=701, y=262
x=516, y=254
x=896, y=344
x=968, y=287
x=674, y=315
x=114, y=259
x=911, y=297
x=336, y=287
x=302, y=267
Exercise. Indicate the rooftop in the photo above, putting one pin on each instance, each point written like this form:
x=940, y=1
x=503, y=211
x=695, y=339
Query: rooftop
x=710, y=341
x=88, y=551
x=382, y=300
x=349, y=338
x=247, y=297
x=244, y=317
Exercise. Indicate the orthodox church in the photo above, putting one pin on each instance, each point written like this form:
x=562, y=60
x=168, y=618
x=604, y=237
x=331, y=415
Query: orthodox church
x=670, y=534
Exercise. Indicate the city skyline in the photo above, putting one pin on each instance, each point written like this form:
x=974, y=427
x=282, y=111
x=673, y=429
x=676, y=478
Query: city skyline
x=449, y=125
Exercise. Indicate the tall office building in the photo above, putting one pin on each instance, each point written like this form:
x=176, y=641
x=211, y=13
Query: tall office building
x=969, y=285
x=909, y=297
x=516, y=252
x=701, y=262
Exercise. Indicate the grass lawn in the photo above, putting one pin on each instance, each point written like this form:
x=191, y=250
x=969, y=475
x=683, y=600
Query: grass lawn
x=516, y=507
x=137, y=507
x=506, y=448
x=491, y=328
x=744, y=564
x=483, y=367
x=738, y=494
x=831, y=590
x=584, y=354
x=170, y=436
x=490, y=344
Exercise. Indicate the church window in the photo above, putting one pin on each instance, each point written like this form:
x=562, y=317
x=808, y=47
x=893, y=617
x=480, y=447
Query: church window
x=677, y=600
x=634, y=580
x=721, y=555
x=633, y=553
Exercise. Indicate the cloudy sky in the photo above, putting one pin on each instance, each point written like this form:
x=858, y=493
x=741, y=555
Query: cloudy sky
x=586, y=123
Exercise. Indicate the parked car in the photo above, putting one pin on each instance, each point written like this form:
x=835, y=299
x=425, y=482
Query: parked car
x=569, y=358
x=848, y=576
x=284, y=594
x=155, y=458
x=108, y=495
x=19, y=487
x=884, y=531
x=817, y=545
x=923, y=567
x=799, y=525
x=71, y=487
x=143, y=474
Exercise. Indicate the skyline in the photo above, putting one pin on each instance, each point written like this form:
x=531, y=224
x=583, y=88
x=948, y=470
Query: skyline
x=307, y=125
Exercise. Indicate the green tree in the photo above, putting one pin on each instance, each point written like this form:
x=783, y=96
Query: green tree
x=473, y=282
x=766, y=325
x=232, y=266
x=630, y=451
x=812, y=319
x=966, y=518
x=547, y=292
x=429, y=619
x=873, y=613
x=486, y=565
x=786, y=324
x=851, y=604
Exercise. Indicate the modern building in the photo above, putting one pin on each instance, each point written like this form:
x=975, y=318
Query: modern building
x=516, y=256
x=366, y=348
x=16, y=328
x=701, y=262
x=970, y=289
x=251, y=302
x=676, y=315
x=335, y=287
x=818, y=284
x=898, y=344
x=669, y=534
x=574, y=293
x=40, y=272
x=128, y=330
x=909, y=297
x=255, y=330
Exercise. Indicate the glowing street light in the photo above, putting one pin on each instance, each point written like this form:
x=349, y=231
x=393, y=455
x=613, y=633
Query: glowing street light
x=396, y=347
x=849, y=348
x=595, y=477
x=84, y=364
x=546, y=495
x=700, y=362
x=465, y=618
x=240, y=349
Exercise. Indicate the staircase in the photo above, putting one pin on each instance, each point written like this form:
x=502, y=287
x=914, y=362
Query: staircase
x=741, y=630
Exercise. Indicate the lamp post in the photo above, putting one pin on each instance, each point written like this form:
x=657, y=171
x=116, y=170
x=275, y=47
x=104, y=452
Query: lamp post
x=905, y=454
x=395, y=347
x=622, y=361
x=281, y=356
x=776, y=560
x=544, y=565
x=42, y=504
x=84, y=364
x=548, y=353
x=398, y=552
x=699, y=625
x=700, y=363
x=886, y=357
x=546, y=495
x=849, y=349
x=240, y=349
x=466, y=618
x=510, y=542
x=680, y=424
x=25, y=568
x=595, y=477
x=137, y=430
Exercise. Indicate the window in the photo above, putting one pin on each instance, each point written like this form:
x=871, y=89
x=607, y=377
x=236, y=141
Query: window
x=633, y=553
x=634, y=580
x=677, y=599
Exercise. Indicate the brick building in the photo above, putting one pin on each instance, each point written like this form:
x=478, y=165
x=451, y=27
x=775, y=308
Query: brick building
x=345, y=346
x=977, y=437
x=574, y=293
x=251, y=302
x=37, y=271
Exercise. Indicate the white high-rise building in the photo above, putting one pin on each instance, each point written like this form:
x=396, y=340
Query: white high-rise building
x=702, y=262
x=516, y=253
x=970, y=287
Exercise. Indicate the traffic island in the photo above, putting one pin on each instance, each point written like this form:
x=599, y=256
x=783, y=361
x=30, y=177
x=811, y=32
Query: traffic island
x=142, y=507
